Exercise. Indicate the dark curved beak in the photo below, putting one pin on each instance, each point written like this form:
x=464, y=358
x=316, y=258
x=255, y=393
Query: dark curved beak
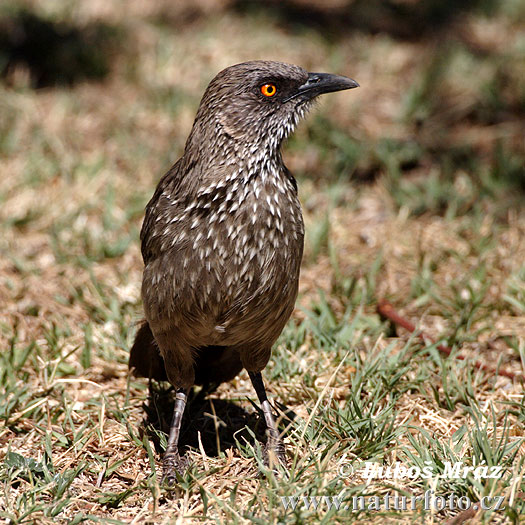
x=319, y=83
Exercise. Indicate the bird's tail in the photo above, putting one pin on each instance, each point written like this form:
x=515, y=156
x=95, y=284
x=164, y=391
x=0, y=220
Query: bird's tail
x=144, y=357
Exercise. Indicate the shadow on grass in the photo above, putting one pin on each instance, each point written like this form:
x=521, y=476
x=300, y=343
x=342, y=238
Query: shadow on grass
x=55, y=53
x=222, y=424
x=402, y=20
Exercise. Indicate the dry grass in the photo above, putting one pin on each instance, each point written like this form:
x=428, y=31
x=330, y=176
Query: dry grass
x=411, y=190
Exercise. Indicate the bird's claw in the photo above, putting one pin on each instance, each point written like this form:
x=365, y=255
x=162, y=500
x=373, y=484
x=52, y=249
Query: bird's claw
x=274, y=454
x=173, y=466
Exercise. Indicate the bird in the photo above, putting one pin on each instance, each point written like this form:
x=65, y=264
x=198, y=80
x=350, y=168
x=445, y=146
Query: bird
x=222, y=241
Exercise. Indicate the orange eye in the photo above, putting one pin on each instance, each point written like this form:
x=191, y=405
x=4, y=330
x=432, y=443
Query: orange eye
x=268, y=90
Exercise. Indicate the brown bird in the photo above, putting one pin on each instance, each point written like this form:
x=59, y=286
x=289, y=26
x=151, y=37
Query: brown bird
x=222, y=240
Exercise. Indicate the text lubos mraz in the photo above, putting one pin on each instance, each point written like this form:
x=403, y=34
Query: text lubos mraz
x=457, y=470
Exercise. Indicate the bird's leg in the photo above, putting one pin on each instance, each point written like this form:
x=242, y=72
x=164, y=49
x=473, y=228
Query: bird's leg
x=172, y=462
x=274, y=449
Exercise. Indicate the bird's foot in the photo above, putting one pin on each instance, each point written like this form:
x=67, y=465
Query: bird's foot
x=172, y=466
x=274, y=454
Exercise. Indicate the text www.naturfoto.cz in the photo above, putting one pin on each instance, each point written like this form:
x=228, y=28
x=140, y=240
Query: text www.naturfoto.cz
x=389, y=501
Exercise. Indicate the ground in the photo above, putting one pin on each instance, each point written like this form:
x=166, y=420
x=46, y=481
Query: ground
x=412, y=188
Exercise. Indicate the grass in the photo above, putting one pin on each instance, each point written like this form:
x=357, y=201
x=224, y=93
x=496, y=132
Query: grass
x=412, y=189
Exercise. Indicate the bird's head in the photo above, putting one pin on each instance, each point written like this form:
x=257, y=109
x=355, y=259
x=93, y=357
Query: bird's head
x=259, y=103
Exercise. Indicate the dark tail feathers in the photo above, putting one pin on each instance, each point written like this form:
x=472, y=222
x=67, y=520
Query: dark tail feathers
x=213, y=364
x=144, y=357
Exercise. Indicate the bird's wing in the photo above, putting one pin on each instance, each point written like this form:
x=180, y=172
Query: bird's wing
x=182, y=194
x=161, y=208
